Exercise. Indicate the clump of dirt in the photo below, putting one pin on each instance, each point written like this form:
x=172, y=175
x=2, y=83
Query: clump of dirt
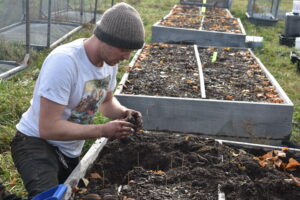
x=174, y=166
x=235, y=75
x=164, y=70
x=134, y=119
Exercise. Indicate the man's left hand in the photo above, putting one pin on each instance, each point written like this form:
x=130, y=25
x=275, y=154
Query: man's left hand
x=135, y=118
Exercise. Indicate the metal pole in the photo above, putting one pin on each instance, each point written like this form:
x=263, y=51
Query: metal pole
x=27, y=27
x=81, y=11
x=49, y=23
x=276, y=8
x=112, y=3
x=41, y=9
x=95, y=12
x=253, y=8
x=24, y=10
x=272, y=7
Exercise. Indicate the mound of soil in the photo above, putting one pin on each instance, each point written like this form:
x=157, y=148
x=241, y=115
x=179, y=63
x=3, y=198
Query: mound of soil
x=173, y=166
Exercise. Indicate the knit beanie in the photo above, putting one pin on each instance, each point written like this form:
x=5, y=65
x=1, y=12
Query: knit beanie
x=121, y=26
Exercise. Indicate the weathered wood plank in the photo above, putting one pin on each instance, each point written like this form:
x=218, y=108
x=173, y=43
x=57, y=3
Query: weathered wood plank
x=85, y=163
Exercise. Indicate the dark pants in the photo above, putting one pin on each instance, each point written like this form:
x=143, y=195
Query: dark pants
x=40, y=164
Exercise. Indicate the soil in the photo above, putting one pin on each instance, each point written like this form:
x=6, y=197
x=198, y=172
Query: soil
x=171, y=70
x=189, y=17
x=185, y=10
x=217, y=12
x=165, y=166
x=159, y=64
x=235, y=75
x=228, y=25
x=183, y=17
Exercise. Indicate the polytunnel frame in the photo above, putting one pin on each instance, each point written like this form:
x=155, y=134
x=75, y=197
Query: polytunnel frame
x=265, y=19
x=28, y=45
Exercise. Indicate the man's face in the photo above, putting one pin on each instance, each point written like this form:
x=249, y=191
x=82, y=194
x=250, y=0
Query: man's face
x=113, y=55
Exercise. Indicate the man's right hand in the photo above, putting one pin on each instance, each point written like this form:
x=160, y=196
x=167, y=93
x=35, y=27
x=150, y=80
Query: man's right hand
x=117, y=129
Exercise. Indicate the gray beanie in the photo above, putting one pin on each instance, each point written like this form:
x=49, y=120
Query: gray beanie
x=121, y=26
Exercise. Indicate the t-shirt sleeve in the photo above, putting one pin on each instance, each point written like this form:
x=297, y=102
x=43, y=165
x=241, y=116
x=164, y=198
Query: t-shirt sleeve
x=113, y=82
x=56, y=78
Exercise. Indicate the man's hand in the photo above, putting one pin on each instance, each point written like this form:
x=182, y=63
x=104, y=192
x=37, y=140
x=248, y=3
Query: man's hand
x=135, y=118
x=117, y=129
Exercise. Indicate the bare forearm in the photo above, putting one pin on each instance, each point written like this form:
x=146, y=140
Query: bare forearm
x=113, y=109
x=65, y=130
x=52, y=127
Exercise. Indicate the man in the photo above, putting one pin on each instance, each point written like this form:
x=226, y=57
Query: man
x=75, y=81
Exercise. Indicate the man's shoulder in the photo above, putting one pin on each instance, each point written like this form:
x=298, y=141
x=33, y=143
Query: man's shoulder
x=70, y=48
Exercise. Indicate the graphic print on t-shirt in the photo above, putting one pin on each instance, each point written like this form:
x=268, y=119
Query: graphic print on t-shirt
x=93, y=95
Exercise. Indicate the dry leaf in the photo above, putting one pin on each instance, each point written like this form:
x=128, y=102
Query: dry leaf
x=94, y=176
x=260, y=95
x=284, y=148
x=277, y=163
x=271, y=95
x=279, y=153
x=277, y=100
x=265, y=83
x=269, y=89
x=138, y=65
x=292, y=165
x=228, y=97
x=157, y=172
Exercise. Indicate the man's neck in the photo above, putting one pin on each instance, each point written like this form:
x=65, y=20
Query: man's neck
x=92, y=48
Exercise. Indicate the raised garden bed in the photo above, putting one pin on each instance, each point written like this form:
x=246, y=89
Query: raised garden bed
x=165, y=70
x=235, y=96
x=156, y=165
x=191, y=17
x=180, y=9
x=205, y=29
x=236, y=75
x=209, y=3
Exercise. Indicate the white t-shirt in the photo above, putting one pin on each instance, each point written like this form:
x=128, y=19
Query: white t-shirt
x=69, y=78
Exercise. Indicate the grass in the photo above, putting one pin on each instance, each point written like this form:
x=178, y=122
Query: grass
x=16, y=92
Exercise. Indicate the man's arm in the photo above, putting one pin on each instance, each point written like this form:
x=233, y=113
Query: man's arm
x=112, y=108
x=52, y=127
